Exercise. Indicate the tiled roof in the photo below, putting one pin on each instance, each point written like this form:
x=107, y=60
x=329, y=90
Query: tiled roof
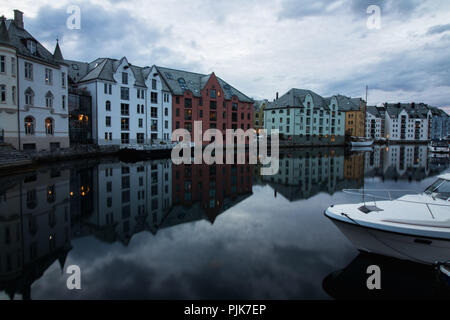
x=180, y=81
x=18, y=38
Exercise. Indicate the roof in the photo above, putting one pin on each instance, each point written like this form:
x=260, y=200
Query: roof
x=296, y=98
x=179, y=81
x=4, y=37
x=102, y=69
x=18, y=38
x=414, y=110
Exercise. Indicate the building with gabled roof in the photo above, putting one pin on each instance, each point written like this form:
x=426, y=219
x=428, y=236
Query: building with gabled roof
x=206, y=98
x=36, y=90
x=304, y=117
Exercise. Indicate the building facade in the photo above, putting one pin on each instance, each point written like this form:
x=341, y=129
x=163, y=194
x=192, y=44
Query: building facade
x=258, y=117
x=375, y=122
x=408, y=122
x=9, y=128
x=355, y=115
x=440, y=124
x=42, y=114
x=303, y=116
x=206, y=98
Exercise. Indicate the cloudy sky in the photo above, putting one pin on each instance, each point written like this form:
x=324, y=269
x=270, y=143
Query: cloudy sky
x=266, y=46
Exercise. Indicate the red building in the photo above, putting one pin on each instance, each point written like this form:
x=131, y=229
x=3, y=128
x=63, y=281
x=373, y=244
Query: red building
x=211, y=189
x=206, y=98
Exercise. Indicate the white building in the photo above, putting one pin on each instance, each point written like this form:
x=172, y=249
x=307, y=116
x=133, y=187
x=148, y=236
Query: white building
x=375, y=122
x=130, y=104
x=9, y=132
x=42, y=115
x=407, y=122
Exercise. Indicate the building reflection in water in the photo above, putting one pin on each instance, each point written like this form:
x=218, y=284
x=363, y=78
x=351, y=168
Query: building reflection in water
x=307, y=172
x=35, y=227
x=395, y=162
x=43, y=211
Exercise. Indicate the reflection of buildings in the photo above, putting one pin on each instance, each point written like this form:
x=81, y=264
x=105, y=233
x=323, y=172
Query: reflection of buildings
x=307, y=172
x=129, y=198
x=35, y=228
x=400, y=161
x=211, y=189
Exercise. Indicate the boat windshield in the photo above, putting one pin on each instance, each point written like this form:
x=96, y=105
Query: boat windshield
x=440, y=189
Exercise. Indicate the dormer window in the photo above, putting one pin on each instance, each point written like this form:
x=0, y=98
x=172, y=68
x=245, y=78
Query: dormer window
x=31, y=45
x=124, y=78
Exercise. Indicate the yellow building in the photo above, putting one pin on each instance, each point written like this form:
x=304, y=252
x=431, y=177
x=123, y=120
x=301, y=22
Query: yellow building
x=258, y=114
x=355, y=115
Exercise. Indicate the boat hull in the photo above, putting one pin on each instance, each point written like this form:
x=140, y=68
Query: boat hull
x=361, y=143
x=401, y=246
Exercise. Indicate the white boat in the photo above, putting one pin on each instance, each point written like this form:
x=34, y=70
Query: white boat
x=414, y=227
x=360, y=142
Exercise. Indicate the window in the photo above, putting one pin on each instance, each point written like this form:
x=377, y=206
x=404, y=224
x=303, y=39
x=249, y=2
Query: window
x=63, y=79
x=140, y=138
x=108, y=105
x=108, y=121
x=105, y=88
x=29, y=125
x=3, y=93
x=124, y=109
x=13, y=66
x=124, y=78
x=154, y=84
x=124, y=93
x=154, y=97
x=64, y=102
x=213, y=105
x=141, y=123
x=28, y=71
x=154, y=125
x=109, y=88
x=138, y=109
x=29, y=97
x=213, y=93
x=31, y=46
x=166, y=124
x=142, y=108
x=48, y=76
x=14, y=95
x=2, y=64
x=125, y=139
x=124, y=124
x=166, y=112
x=49, y=126
x=49, y=100
x=153, y=112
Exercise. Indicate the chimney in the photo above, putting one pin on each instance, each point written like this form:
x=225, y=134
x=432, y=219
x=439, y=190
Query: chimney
x=18, y=18
x=277, y=95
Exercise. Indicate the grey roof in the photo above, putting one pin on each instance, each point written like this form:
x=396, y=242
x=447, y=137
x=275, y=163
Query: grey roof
x=180, y=81
x=57, y=54
x=414, y=110
x=4, y=37
x=296, y=98
x=18, y=38
x=259, y=103
x=102, y=69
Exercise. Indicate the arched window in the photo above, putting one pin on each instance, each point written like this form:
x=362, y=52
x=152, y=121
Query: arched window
x=108, y=105
x=49, y=126
x=29, y=96
x=29, y=125
x=49, y=99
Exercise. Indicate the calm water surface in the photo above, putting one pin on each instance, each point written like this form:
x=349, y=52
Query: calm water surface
x=154, y=230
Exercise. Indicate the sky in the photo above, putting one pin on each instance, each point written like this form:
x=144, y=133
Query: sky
x=266, y=46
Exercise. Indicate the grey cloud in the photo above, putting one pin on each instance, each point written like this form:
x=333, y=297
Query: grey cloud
x=438, y=29
x=298, y=9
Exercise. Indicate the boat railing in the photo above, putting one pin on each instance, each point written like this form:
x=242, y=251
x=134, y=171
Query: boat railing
x=393, y=195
